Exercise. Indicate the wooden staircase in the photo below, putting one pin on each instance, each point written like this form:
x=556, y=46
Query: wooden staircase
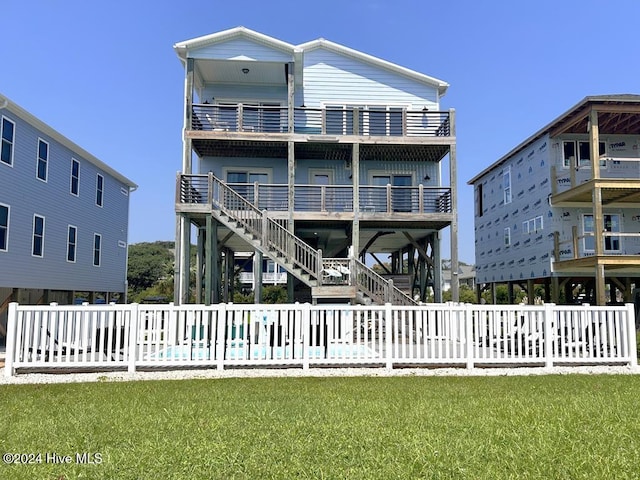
x=274, y=241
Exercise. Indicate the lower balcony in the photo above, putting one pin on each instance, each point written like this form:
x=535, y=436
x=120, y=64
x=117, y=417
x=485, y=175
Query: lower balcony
x=572, y=256
x=196, y=191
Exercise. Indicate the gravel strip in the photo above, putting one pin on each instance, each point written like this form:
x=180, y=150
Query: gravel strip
x=35, y=378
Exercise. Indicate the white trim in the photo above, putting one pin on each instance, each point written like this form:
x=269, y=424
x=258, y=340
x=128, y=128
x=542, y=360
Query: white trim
x=46, y=161
x=8, y=207
x=75, y=251
x=33, y=235
x=13, y=139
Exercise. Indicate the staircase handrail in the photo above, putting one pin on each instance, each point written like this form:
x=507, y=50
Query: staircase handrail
x=379, y=288
x=271, y=234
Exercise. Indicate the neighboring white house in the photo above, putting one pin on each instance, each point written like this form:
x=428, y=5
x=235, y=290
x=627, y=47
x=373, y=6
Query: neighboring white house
x=304, y=153
x=562, y=209
x=63, y=216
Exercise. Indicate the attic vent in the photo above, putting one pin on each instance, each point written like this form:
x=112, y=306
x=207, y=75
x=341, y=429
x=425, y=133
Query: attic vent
x=124, y=191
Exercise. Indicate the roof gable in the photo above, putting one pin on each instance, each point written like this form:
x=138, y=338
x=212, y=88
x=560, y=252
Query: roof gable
x=374, y=61
x=238, y=43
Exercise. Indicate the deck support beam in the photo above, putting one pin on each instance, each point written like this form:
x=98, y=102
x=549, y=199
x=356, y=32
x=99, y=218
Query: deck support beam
x=453, y=181
x=355, y=178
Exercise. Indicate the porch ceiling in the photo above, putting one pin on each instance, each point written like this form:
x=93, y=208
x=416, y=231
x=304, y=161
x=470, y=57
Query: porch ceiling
x=232, y=72
x=239, y=148
x=616, y=115
x=318, y=151
x=614, y=191
x=411, y=153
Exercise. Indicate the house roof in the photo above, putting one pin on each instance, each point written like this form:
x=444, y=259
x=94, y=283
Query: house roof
x=7, y=104
x=182, y=48
x=617, y=114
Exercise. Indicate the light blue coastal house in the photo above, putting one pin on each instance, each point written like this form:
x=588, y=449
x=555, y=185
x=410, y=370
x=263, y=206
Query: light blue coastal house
x=318, y=157
x=561, y=211
x=63, y=216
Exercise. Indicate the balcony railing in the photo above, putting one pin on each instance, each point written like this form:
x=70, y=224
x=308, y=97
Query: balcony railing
x=322, y=121
x=268, y=278
x=195, y=189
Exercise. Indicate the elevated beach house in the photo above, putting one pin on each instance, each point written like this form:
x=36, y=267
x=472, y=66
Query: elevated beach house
x=323, y=160
x=63, y=216
x=562, y=209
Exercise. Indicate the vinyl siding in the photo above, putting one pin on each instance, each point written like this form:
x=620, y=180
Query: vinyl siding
x=53, y=200
x=240, y=93
x=329, y=77
x=279, y=172
x=241, y=48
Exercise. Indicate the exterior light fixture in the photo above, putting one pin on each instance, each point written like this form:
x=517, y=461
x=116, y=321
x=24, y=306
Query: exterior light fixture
x=245, y=70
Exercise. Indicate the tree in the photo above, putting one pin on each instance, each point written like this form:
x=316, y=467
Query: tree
x=149, y=263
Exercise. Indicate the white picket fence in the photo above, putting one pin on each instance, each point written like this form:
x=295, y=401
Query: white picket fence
x=131, y=337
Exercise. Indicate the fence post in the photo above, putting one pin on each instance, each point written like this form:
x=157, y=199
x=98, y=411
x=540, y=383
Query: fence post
x=468, y=319
x=221, y=338
x=134, y=325
x=305, y=310
x=12, y=319
x=631, y=335
x=549, y=327
x=388, y=330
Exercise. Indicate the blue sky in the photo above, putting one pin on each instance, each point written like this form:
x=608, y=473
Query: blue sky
x=105, y=75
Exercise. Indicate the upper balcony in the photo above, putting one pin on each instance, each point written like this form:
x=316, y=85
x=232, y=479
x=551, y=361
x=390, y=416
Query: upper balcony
x=257, y=120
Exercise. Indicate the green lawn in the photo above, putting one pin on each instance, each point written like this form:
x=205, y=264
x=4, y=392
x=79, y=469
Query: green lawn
x=551, y=427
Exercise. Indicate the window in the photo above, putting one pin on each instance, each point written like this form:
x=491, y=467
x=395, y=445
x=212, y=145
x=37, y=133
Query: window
x=71, y=243
x=6, y=151
x=37, y=245
x=611, y=224
x=242, y=182
x=479, y=200
x=538, y=223
x=43, y=160
x=97, y=247
x=401, y=200
x=569, y=154
x=4, y=228
x=75, y=177
x=532, y=225
x=583, y=158
x=506, y=185
x=381, y=120
x=99, y=189
x=507, y=236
